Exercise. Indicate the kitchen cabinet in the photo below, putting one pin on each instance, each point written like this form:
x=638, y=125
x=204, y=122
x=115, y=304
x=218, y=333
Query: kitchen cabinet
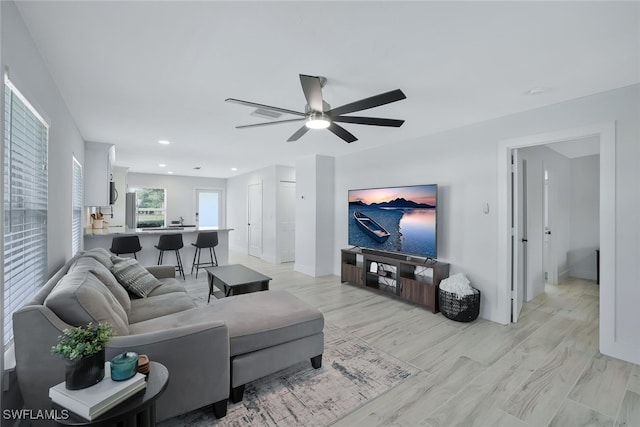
x=98, y=161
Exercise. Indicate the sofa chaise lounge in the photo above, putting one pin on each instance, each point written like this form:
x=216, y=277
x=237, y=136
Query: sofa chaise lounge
x=211, y=351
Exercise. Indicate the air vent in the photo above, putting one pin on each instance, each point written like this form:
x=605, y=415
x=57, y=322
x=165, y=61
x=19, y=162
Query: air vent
x=266, y=114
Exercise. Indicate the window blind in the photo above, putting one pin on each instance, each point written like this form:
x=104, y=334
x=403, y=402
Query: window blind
x=25, y=204
x=76, y=209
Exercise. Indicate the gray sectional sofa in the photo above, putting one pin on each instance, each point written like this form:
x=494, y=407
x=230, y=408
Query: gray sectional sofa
x=211, y=351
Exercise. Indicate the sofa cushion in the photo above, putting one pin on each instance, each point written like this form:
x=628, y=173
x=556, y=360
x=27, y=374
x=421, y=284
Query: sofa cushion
x=80, y=298
x=168, y=286
x=255, y=321
x=133, y=276
x=88, y=263
x=157, y=306
x=101, y=255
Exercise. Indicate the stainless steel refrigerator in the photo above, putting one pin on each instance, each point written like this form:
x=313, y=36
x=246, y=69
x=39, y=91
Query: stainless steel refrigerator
x=131, y=211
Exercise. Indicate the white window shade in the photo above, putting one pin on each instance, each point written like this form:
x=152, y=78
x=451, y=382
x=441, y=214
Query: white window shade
x=25, y=204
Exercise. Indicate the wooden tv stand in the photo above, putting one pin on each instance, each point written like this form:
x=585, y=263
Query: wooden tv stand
x=408, y=278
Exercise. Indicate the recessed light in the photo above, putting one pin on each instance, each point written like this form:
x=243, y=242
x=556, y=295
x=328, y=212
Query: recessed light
x=170, y=172
x=164, y=142
x=234, y=169
x=162, y=165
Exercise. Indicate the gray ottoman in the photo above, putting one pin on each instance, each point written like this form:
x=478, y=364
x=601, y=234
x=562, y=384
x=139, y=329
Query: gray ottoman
x=268, y=331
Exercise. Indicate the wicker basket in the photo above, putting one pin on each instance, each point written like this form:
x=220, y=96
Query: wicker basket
x=463, y=309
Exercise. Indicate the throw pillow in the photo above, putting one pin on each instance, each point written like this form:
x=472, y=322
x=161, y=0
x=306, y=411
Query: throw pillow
x=134, y=277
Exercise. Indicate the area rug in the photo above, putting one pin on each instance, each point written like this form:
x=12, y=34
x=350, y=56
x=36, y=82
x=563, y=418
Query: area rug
x=352, y=373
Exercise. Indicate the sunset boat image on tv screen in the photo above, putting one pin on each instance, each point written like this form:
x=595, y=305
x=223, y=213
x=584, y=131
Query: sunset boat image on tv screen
x=371, y=227
x=396, y=219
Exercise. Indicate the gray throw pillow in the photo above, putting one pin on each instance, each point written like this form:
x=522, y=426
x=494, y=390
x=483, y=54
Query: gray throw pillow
x=133, y=276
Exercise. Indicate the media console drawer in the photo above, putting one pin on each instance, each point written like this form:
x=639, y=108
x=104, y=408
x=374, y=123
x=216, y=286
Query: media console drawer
x=351, y=274
x=419, y=292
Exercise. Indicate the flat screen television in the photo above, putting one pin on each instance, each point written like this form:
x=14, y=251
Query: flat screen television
x=395, y=219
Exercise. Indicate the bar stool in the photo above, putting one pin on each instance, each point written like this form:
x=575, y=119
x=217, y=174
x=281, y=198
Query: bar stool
x=125, y=245
x=171, y=242
x=205, y=239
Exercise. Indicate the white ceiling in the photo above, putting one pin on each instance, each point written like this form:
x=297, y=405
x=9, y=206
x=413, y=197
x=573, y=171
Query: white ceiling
x=132, y=73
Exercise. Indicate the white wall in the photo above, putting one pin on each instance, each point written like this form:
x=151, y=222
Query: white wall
x=464, y=162
x=585, y=217
x=315, y=212
x=465, y=171
x=237, y=189
x=325, y=211
x=29, y=74
x=181, y=193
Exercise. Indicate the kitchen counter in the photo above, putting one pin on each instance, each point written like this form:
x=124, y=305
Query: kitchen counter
x=101, y=238
x=111, y=231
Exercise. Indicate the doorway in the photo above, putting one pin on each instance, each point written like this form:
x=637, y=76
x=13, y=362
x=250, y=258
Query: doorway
x=606, y=137
x=254, y=224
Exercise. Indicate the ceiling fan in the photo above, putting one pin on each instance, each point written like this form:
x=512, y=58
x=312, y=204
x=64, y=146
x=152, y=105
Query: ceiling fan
x=319, y=115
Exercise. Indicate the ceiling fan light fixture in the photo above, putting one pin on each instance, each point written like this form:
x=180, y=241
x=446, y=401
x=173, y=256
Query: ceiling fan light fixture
x=318, y=121
x=318, y=114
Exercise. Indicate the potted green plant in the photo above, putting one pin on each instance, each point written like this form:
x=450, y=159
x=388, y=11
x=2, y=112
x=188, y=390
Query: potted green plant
x=84, y=351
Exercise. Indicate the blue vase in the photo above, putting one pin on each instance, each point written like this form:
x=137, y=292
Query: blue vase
x=124, y=366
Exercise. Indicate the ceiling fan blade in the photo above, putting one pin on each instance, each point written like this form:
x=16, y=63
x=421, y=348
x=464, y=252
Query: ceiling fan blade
x=267, y=107
x=312, y=89
x=366, y=103
x=268, y=123
x=374, y=121
x=298, y=134
x=342, y=132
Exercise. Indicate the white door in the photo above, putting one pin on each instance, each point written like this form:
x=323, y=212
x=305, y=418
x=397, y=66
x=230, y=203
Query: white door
x=287, y=220
x=254, y=225
x=549, y=258
x=519, y=234
x=208, y=208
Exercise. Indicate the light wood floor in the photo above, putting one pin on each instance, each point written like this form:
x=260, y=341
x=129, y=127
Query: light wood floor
x=543, y=371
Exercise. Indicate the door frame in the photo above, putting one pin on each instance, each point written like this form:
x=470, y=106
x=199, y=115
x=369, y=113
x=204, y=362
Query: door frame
x=549, y=253
x=606, y=131
x=518, y=242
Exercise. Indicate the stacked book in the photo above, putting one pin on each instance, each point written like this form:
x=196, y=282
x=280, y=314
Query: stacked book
x=91, y=402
